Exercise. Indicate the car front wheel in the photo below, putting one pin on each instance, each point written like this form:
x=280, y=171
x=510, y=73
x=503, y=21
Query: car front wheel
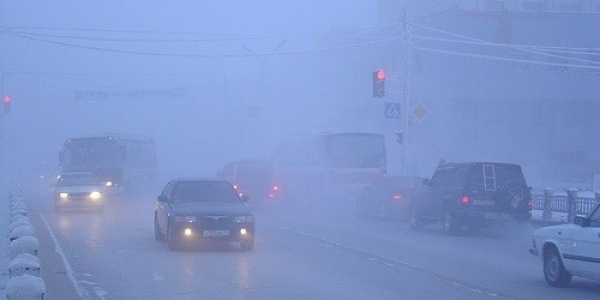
x=172, y=241
x=554, y=270
x=247, y=244
x=415, y=218
x=158, y=235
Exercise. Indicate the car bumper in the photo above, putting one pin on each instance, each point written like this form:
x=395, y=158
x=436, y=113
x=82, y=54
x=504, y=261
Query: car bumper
x=190, y=232
x=489, y=215
x=78, y=203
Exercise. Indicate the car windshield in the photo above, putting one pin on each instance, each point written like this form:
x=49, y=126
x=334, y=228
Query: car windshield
x=204, y=191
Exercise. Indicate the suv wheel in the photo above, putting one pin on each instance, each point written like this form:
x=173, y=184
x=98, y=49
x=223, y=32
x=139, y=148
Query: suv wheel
x=554, y=270
x=523, y=217
x=415, y=218
x=450, y=222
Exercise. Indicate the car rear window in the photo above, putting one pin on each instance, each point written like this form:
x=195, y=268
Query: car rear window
x=490, y=176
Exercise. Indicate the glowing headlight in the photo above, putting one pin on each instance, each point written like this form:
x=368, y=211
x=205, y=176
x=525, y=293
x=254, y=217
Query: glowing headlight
x=187, y=232
x=109, y=183
x=243, y=231
x=186, y=219
x=95, y=195
x=243, y=219
x=63, y=195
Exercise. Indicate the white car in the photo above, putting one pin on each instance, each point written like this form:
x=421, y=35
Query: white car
x=78, y=190
x=570, y=249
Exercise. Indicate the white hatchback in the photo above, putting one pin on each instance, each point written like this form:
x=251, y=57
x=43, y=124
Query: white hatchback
x=570, y=249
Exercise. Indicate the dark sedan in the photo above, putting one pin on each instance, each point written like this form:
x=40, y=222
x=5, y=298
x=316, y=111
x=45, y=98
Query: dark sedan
x=198, y=210
x=388, y=197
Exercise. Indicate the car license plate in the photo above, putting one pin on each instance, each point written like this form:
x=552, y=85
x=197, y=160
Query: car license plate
x=212, y=233
x=486, y=202
x=496, y=216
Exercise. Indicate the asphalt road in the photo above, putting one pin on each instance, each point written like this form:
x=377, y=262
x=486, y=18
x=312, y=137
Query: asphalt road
x=323, y=253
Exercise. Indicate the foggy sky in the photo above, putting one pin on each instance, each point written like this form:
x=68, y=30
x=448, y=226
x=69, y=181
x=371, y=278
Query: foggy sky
x=251, y=73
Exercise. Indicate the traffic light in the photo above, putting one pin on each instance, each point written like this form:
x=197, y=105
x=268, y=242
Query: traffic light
x=378, y=84
x=6, y=104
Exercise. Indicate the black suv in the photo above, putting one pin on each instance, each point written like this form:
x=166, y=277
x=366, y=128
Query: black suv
x=471, y=194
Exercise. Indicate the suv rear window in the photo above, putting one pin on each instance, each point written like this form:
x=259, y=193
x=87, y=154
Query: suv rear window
x=488, y=176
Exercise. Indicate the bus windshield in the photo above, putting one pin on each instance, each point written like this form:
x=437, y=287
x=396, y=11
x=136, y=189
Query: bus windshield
x=85, y=155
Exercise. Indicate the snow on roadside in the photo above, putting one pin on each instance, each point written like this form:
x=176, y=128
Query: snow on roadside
x=19, y=265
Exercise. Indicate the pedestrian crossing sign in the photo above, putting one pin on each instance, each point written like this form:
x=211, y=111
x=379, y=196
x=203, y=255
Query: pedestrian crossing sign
x=392, y=110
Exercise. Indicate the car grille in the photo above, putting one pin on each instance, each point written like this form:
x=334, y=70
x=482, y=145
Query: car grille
x=215, y=221
x=78, y=196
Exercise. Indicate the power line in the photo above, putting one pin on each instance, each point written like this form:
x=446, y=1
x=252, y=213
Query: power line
x=524, y=48
x=525, y=61
x=196, y=55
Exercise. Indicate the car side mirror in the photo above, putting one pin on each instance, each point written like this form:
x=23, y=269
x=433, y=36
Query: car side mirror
x=427, y=182
x=245, y=198
x=581, y=221
x=162, y=198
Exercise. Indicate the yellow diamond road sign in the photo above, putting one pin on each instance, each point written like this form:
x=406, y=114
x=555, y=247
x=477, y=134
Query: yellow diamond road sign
x=419, y=111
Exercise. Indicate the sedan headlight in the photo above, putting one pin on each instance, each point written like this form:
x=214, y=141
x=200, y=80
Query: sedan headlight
x=63, y=195
x=95, y=195
x=240, y=219
x=185, y=219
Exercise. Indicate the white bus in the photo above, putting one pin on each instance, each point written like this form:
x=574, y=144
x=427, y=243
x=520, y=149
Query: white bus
x=121, y=163
x=330, y=166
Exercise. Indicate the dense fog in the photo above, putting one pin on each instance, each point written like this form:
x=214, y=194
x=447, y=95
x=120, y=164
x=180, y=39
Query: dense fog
x=213, y=81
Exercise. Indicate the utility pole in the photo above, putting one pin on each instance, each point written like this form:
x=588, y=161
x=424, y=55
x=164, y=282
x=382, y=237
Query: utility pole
x=406, y=90
x=2, y=132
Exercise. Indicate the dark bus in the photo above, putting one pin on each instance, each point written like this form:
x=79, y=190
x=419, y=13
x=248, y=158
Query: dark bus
x=121, y=163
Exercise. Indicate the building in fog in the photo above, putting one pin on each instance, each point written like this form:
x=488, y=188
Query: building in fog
x=505, y=80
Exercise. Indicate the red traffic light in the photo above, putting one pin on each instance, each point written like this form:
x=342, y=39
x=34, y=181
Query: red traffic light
x=6, y=104
x=378, y=84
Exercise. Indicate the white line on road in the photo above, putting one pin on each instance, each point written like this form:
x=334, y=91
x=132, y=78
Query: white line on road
x=80, y=291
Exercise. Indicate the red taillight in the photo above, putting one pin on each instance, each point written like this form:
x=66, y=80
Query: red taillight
x=275, y=188
x=397, y=197
x=235, y=186
x=465, y=199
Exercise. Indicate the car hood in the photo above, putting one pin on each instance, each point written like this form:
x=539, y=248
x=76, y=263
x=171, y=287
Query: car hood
x=77, y=189
x=562, y=231
x=222, y=209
